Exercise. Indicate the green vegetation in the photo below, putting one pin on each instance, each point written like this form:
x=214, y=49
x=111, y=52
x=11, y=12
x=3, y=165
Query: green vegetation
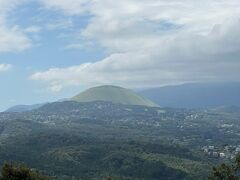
x=20, y=172
x=95, y=140
x=113, y=94
x=227, y=172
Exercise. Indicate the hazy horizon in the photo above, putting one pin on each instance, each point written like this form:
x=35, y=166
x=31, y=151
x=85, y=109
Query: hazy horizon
x=128, y=89
x=52, y=49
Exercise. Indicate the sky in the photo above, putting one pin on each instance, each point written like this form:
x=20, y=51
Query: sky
x=53, y=49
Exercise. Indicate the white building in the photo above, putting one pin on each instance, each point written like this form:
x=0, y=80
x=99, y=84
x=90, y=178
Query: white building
x=222, y=155
x=211, y=147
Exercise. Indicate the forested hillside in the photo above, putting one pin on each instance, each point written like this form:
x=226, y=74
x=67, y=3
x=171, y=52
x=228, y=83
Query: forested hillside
x=98, y=139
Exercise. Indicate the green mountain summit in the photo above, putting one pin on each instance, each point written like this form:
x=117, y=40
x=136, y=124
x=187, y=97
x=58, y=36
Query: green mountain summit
x=113, y=94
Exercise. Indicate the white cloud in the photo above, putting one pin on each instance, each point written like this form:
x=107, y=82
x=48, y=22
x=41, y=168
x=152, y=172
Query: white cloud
x=153, y=42
x=33, y=29
x=13, y=38
x=5, y=67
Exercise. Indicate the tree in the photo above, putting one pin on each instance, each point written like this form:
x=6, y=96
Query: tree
x=19, y=172
x=227, y=172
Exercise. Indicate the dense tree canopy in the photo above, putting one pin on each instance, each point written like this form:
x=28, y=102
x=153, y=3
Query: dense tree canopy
x=19, y=172
x=227, y=172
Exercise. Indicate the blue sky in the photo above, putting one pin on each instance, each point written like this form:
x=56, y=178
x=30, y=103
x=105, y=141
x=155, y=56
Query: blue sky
x=48, y=50
x=52, y=49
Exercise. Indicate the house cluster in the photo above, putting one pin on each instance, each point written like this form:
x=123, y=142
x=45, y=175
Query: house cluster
x=227, y=152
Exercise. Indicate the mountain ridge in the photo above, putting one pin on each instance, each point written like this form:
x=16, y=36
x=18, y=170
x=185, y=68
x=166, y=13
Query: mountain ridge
x=23, y=108
x=113, y=94
x=195, y=95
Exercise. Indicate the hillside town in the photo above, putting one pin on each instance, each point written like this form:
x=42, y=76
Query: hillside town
x=226, y=152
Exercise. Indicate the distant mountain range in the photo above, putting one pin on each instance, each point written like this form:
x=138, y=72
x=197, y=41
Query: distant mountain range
x=23, y=108
x=108, y=93
x=114, y=131
x=113, y=94
x=203, y=95
x=180, y=96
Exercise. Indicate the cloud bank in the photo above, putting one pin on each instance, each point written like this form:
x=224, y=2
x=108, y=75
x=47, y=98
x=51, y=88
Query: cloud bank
x=152, y=42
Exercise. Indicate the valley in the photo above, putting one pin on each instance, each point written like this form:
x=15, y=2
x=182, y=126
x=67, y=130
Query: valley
x=119, y=90
x=97, y=139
